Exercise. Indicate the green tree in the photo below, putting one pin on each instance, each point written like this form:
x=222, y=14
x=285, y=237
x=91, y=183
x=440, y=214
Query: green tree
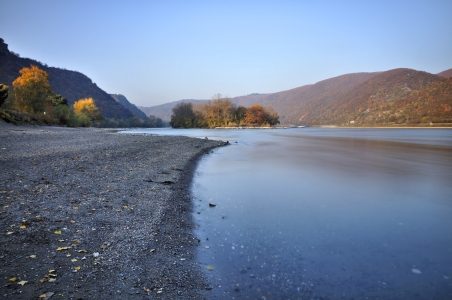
x=65, y=115
x=58, y=100
x=32, y=90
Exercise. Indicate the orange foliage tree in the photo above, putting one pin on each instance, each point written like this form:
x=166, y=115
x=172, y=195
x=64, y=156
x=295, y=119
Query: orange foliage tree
x=32, y=90
x=256, y=114
x=88, y=107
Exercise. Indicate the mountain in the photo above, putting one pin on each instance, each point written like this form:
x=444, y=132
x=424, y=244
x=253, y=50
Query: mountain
x=130, y=106
x=70, y=84
x=445, y=74
x=399, y=96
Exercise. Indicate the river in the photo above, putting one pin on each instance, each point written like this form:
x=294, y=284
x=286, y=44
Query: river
x=317, y=213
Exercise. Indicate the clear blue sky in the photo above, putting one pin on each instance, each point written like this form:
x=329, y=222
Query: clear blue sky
x=155, y=52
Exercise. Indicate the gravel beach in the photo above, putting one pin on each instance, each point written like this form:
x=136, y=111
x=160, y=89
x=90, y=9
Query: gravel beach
x=92, y=214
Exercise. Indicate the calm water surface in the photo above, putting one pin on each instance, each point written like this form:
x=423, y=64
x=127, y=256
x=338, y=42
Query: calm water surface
x=326, y=213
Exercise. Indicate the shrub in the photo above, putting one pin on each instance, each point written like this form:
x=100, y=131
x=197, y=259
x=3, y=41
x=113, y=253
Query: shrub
x=64, y=115
x=83, y=120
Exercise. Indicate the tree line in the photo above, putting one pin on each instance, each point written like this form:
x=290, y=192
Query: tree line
x=32, y=100
x=221, y=112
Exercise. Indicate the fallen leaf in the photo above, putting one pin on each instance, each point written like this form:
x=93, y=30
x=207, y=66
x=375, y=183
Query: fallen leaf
x=68, y=255
x=22, y=282
x=12, y=279
x=60, y=240
x=77, y=268
x=10, y=232
x=75, y=207
x=52, y=279
x=73, y=260
x=63, y=248
x=46, y=295
x=72, y=221
x=32, y=256
x=210, y=268
x=23, y=227
x=82, y=251
x=57, y=232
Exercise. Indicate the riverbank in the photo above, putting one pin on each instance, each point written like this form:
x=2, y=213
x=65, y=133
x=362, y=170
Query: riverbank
x=87, y=213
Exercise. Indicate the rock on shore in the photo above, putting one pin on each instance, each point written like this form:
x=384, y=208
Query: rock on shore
x=91, y=214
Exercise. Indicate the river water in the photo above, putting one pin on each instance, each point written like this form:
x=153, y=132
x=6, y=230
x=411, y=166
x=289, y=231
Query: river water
x=318, y=213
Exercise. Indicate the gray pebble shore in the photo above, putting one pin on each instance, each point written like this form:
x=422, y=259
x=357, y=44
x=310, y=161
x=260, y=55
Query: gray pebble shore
x=92, y=214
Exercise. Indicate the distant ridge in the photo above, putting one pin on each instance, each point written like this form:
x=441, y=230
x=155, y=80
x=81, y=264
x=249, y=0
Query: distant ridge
x=446, y=73
x=72, y=85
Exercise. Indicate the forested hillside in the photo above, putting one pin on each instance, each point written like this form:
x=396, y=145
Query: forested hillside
x=70, y=84
x=375, y=101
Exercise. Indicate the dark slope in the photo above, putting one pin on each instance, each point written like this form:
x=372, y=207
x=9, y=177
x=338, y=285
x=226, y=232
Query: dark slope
x=130, y=106
x=70, y=84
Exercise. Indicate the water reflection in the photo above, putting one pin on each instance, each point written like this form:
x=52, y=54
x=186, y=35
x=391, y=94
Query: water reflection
x=328, y=213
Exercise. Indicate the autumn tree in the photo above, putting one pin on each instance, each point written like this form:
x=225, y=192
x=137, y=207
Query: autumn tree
x=218, y=111
x=32, y=90
x=88, y=108
x=3, y=93
x=256, y=114
x=221, y=112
